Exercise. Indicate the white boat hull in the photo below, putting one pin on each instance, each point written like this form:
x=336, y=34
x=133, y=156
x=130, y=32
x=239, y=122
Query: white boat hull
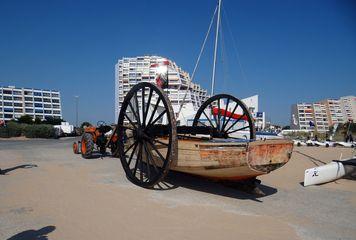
x=323, y=174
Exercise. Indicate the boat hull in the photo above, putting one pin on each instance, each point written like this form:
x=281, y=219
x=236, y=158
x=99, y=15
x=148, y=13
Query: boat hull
x=231, y=161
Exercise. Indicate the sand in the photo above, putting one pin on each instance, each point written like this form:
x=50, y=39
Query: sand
x=92, y=199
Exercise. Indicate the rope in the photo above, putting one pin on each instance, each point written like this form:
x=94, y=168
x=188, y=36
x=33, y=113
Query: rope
x=197, y=62
x=234, y=46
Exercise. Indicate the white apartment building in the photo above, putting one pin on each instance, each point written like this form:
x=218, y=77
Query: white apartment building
x=348, y=106
x=323, y=114
x=321, y=121
x=131, y=70
x=15, y=102
x=334, y=111
x=302, y=115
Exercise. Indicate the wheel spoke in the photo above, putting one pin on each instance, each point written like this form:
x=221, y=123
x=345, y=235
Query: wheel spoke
x=131, y=155
x=232, y=114
x=156, y=150
x=235, y=122
x=148, y=106
x=147, y=161
x=157, y=118
x=226, y=109
x=139, y=156
x=134, y=113
x=137, y=108
x=154, y=111
x=212, y=112
x=202, y=123
x=129, y=148
x=150, y=156
x=238, y=129
x=219, y=116
x=130, y=121
x=212, y=125
x=143, y=106
x=141, y=163
x=163, y=143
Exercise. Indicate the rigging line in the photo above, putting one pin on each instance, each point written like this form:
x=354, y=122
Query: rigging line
x=234, y=45
x=198, y=60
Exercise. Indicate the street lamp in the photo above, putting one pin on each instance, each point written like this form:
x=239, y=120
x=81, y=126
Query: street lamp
x=76, y=110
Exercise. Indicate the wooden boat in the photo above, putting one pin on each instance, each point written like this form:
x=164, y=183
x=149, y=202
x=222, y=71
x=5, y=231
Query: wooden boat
x=231, y=160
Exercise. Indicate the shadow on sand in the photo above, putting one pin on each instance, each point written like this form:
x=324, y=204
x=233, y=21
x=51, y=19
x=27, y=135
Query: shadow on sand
x=5, y=171
x=227, y=189
x=40, y=234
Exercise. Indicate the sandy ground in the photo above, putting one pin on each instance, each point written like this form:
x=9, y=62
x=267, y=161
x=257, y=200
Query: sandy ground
x=67, y=197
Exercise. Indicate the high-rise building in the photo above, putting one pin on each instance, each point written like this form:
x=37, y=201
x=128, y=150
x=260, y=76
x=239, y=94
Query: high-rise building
x=132, y=70
x=324, y=114
x=302, y=116
x=334, y=112
x=15, y=102
x=348, y=105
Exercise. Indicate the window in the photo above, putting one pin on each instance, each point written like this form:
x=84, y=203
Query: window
x=56, y=112
x=38, y=99
x=29, y=93
x=46, y=94
x=18, y=98
x=38, y=111
x=7, y=103
x=8, y=116
x=55, y=95
x=46, y=100
x=55, y=106
x=17, y=92
x=18, y=104
x=55, y=100
x=30, y=99
x=28, y=104
x=7, y=91
x=18, y=110
x=29, y=110
x=7, y=98
x=37, y=93
x=8, y=109
x=47, y=111
x=47, y=106
x=39, y=105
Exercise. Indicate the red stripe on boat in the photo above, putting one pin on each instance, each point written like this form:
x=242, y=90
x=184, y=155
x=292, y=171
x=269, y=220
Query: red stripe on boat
x=228, y=114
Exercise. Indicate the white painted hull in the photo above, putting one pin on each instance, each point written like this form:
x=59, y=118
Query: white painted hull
x=323, y=174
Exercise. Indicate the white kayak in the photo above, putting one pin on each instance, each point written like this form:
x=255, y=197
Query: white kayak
x=329, y=172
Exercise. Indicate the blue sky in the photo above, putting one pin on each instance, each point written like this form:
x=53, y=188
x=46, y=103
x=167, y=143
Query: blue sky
x=290, y=51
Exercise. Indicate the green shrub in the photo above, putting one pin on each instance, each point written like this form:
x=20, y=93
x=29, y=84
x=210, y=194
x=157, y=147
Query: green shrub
x=12, y=129
x=39, y=131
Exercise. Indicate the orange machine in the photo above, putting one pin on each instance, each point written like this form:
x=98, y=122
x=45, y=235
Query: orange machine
x=94, y=137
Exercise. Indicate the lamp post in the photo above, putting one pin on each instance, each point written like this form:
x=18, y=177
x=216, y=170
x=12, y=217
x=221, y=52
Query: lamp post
x=76, y=110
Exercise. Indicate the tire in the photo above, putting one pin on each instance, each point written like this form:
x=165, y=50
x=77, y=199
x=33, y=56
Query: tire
x=327, y=145
x=75, y=148
x=87, y=145
x=299, y=144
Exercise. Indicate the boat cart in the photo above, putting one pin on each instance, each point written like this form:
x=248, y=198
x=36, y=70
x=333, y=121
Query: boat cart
x=219, y=143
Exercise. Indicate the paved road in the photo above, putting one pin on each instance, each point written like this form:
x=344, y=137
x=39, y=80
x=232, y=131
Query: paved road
x=48, y=191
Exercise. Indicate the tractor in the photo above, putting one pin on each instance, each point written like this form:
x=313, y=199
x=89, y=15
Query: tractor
x=95, y=137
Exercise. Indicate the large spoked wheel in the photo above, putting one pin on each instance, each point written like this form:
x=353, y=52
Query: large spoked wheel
x=227, y=116
x=147, y=135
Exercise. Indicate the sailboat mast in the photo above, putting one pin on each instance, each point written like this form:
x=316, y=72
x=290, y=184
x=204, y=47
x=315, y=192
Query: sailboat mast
x=216, y=48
